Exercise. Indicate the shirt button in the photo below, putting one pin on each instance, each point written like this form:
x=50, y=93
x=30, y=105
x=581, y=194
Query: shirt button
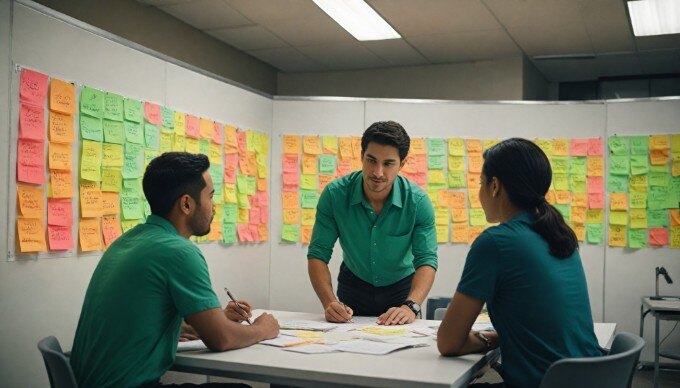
x=373, y=226
x=375, y=244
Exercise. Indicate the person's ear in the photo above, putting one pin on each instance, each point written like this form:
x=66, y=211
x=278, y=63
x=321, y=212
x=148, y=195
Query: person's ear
x=185, y=204
x=495, y=187
x=403, y=162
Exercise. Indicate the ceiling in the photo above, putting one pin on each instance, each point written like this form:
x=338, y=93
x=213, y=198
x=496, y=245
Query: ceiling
x=297, y=36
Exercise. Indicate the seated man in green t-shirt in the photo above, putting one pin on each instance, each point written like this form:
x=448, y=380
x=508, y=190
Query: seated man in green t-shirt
x=152, y=278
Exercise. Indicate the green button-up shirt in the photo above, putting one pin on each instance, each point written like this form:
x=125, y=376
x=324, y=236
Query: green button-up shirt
x=379, y=249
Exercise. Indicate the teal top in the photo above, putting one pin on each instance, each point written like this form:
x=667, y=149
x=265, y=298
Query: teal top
x=537, y=303
x=144, y=284
x=379, y=249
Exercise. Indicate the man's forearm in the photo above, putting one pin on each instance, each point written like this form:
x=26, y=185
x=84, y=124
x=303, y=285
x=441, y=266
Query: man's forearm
x=320, y=276
x=422, y=283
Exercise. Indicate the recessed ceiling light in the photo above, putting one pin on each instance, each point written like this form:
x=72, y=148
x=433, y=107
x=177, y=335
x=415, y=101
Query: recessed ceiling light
x=654, y=17
x=358, y=18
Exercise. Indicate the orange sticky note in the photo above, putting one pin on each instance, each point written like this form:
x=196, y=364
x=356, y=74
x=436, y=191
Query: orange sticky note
x=579, y=199
x=206, y=128
x=60, y=237
x=561, y=147
x=62, y=96
x=306, y=234
x=61, y=183
x=89, y=234
x=311, y=145
x=417, y=147
x=291, y=144
x=473, y=181
x=550, y=197
x=659, y=142
x=59, y=212
x=474, y=146
x=457, y=200
x=31, y=202
x=473, y=197
x=356, y=147
x=309, y=164
x=475, y=163
x=110, y=203
x=90, y=200
x=459, y=215
x=324, y=180
x=59, y=156
x=61, y=127
x=658, y=237
x=578, y=215
x=675, y=217
x=215, y=233
x=594, y=166
x=579, y=231
x=474, y=232
x=459, y=233
x=617, y=236
x=262, y=184
x=563, y=197
x=345, y=145
x=230, y=142
x=659, y=157
x=618, y=201
x=31, y=235
x=263, y=231
x=290, y=200
x=111, y=230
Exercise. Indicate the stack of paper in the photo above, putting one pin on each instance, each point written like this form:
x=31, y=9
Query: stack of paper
x=308, y=325
x=370, y=347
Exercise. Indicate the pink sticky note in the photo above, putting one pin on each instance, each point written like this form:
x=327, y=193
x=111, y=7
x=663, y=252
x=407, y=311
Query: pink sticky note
x=31, y=161
x=579, y=147
x=290, y=188
x=254, y=201
x=658, y=237
x=420, y=179
x=290, y=163
x=152, y=113
x=595, y=147
x=254, y=232
x=230, y=161
x=242, y=141
x=595, y=184
x=344, y=167
x=264, y=215
x=291, y=178
x=244, y=232
x=420, y=162
x=32, y=87
x=595, y=201
x=254, y=215
x=32, y=122
x=59, y=212
x=60, y=237
x=263, y=198
x=192, y=127
x=218, y=133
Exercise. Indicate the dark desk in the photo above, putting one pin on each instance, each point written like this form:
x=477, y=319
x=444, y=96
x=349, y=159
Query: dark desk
x=667, y=310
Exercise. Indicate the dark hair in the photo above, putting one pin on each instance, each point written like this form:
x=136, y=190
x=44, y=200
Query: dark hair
x=170, y=176
x=524, y=170
x=388, y=133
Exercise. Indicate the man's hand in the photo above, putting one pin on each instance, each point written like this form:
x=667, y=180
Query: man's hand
x=268, y=325
x=397, y=316
x=338, y=312
x=238, y=313
x=188, y=333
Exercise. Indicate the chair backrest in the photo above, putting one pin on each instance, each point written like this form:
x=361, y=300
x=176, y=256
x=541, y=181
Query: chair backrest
x=57, y=364
x=614, y=370
x=439, y=313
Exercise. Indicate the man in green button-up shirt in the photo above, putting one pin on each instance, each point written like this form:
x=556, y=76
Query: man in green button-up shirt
x=386, y=228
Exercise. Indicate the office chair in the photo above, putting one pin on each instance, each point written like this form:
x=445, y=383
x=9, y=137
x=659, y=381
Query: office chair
x=439, y=313
x=57, y=364
x=614, y=370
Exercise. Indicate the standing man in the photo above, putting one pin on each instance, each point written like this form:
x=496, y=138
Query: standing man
x=150, y=279
x=387, y=233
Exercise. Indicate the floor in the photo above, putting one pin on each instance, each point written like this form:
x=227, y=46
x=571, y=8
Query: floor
x=641, y=379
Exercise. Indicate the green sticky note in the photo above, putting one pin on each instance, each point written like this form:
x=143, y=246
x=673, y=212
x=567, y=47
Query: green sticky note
x=577, y=166
x=134, y=132
x=436, y=162
x=132, y=165
x=217, y=174
x=659, y=179
x=168, y=117
x=457, y=180
x=241, y=183
x=639, y=165
x=637, y=200
x=91, y=128
x=617, y=184
x=618, y=217
x=637, y=238
x=114, y=132
x=618, y=145
x=290, y=233
x=251, y=187
x=151, y=136
x=639, y=145
x=229, y=213
x=660, y=168
x=577, y=183
x=436, y=147
x=229, y=233
x=242, y=201
x=308, y=199
x=327, y=164
x=657, y=198
x=560, y=182
x=92, y=102
x=657, y=218
x=477, y=217
x=559, y=165
x=594, y=233
x=113, y=107
x=564, y=209
x=149, y=155
x=674, y=190
x=133, y=185
x=112, y=180
x=204, y=147
x=619, y=165
x=131, y=204
x=133, y=110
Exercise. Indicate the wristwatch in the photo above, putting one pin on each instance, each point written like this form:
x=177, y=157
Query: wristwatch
x=413, y=306
x=484, y=338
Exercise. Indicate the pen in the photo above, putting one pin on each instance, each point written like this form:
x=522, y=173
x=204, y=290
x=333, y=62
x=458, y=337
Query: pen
x=237, y=305
x=345, y=306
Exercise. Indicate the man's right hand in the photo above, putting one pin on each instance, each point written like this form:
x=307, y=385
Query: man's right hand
x=338, y=312
x=268, y=324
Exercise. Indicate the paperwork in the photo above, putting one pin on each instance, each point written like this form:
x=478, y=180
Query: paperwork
x=185, y=346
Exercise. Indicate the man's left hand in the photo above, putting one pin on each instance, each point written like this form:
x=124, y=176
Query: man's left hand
x=187, y=333
x=397, y=316
x=238, y=313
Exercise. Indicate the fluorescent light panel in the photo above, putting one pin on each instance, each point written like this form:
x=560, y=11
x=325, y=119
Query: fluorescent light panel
x=358, y=18
x=655, y=17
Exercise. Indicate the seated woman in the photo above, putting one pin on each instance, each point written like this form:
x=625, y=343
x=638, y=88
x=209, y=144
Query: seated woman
x=527, y=270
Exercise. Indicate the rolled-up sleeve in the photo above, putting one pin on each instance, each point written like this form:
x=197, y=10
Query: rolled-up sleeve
x=424, y=240
x=325, y=232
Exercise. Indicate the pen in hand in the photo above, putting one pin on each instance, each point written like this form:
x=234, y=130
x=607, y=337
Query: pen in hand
x=241, y=310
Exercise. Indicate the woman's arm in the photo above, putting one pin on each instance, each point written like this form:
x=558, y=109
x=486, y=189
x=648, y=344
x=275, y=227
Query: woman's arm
x=454, y=337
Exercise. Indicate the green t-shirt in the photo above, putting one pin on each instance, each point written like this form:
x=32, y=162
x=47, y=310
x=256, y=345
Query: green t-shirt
x=145, y=283
x=379, y=249
x=538, y=303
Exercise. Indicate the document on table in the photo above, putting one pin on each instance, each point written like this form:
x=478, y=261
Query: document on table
x=369, y=347
x=311, y=349
x=308, y=325
x=185, y=346
x=284, y=341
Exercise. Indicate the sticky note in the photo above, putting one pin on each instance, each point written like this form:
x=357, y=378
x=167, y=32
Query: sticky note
x=290, y=233
x=563, y=197
x=31, y=202
x=92, y=102
x=152, y=113
x=59, y=212
x=594, y=233
x=546, y=146
x=594, y=216
x=89, y=234
x=618, y=218
x=132, y=110
x=151, y=136
x=113, y=107
x=561, y=147
x=309, y=164
x=345, y=148
x=659, y=178
x=595, y=166
x=637, y=238
x=659, y=142
x=638, y=218
x=324, y=180
x=442, y=233
x=436, y=147
x=560, y=182
x=617, y=236
x=658, y=237
x=418, y=147
x=91, y=161
x=638, y=200
x=657, y=198
x=564, y=210
x=477, y=217
x=32, y=87
x=91, y=128
x=473, y=198
x=62, y=97
x=619, y=165
x=577, y=214
x=308, y=199
x=111, y=230
x=112, y=179
x=61, y=127
x=61, y=183
x=617, y=183
x=659, y=157
x=475, y=163
x=639, y=145
x=110, y=203
x=638, y=183
x=559, y=165
x=290, y=200
x=60, y=238
x=595, y=147
x=456, y=147
x=579, y=231
x=436, y=178
x=30, y=161
x=618, y=201
x=441, y=216
x=131, y=204
x=327, y=164
x=31, y=235
x=618, y=145
x=305, y=234
x=579, y=147
x=638, y=165
x=205, y=128
x=473, y=233
x=579, y=199
x=31, y=122
x=311, y=145
x=577, y=183
x=657, y=218
x=578, y=166
x=90, y=200
x=459, y=233
x=457, y=180
x=192, y=127
x=307, y=182
x=133, y=161
x=675, y=217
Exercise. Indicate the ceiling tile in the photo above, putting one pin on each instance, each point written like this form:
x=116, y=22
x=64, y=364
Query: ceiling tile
x=658, y=42
x=311, y=31
x=287, y=60
x=607, y=25
x=465, y=46
x=343, y=56
x=262, y=11
x=396, y=51
x=557, y=38
x=426, y=17
x=524, y=13
x=660, y=62
x=248, y=38
x=204, y=14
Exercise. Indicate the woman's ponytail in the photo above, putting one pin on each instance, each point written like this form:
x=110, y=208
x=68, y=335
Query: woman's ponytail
x=550, y=225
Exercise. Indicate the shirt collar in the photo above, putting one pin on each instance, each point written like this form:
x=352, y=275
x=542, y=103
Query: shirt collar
x=358, y=192
x=162, y=222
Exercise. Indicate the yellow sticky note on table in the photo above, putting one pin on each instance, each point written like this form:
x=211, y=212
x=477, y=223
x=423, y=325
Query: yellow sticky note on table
x=638, y=218
x=618, y=201
x=456, y=146
x=31, y=235
x=291, y=144
x=561, y=147
x=442, y=233
x=594, y=166
x=459, y=215
x=89, y=233
x=311, y=145
x=345, y=146
x=594, y=216
x=659, y=142
x=330, y=145
x=617, y=236
x=291, y=216
x=417, y=147
x=31, y=201
x=59, y=156
x=387, y=331
x=307, y=217
x=90, y=200
x=618, y=218
x=441, y=216
x=459, y=233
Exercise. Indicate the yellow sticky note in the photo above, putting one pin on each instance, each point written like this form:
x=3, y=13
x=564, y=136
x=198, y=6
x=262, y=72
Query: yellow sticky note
x=638, y=218
x=90, y=200
x=166, y=146
x=659, y=142
x=562, y=197
x=346, y=151
x=594, y=166
x=311, y=145
x=384, y=330
x=230, y=193
x=308, y=182
x=91, y=161
x=417, y=147
x=307, y=217
x=578, y=215
x=561, y=147
x=473, y=197
x=243, y=216
x=676, y=167
x=545, y=145
x=179, y=144
x=442, y=233
x=459, y=233
x=477, y=217
x=112, y=155
x=31, y=235
x=594, y=216
x=456, y=146
x=618, y=201
x=180, y=123
x=291, y=216
x=436, y=177
x=441, y=216
x=216, y=154
x=617, y=236
x=579, y=231
x=192, y=145
x=456, y=164
x=207, y=128
x=579, y=199
x=230, y=140
x=638, y=183
x=675, y=237
x=330, y=145
x=560, y=182
x=488, y=143
x=59, y=156
x=89, y=234
x=618, y=218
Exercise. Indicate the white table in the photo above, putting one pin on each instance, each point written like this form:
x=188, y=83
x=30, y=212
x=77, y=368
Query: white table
x=422, y=367
x=668, y=310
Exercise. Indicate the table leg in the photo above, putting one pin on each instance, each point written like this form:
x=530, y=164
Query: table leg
x=656, y=353
x=642, y=321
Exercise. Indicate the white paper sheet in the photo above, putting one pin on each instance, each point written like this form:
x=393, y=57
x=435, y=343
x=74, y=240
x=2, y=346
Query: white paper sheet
x=308, y=325
x=369, y=347
x=311, y=349
x=185, y=346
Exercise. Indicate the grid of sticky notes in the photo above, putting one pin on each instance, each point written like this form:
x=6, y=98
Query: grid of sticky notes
x=449, y=170
x=119, y=137
x=644, y=191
